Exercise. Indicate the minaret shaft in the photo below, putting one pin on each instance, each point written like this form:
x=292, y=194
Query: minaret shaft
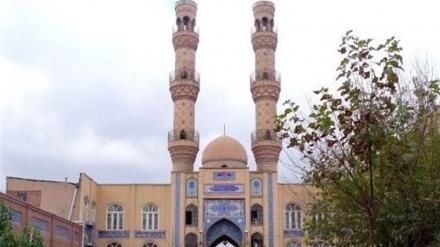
x=265, y=88
x=183, y=140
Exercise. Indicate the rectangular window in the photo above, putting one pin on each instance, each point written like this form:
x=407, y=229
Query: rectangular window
x=22, y=196
x=188, y=218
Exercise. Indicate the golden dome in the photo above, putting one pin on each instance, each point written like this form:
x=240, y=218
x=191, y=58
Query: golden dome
x=224, y=152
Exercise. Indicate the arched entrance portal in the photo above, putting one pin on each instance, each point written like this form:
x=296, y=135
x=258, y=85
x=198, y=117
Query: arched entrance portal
x=224, y=232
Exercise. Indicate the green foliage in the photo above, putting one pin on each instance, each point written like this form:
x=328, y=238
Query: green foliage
x=373, y=150
x=7, y=238
x=6, y=234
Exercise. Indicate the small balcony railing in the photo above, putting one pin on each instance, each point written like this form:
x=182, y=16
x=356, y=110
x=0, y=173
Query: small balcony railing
x=185, y=74
x=265, y=135
x=180, y=134
x=271, y=75
x=185, y=28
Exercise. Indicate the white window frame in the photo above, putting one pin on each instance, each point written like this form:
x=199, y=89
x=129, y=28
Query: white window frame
x=293, y=217
x=150, y=217
x=115, y=217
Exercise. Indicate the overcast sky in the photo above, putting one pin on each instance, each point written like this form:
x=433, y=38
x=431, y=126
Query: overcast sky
x=84, y=84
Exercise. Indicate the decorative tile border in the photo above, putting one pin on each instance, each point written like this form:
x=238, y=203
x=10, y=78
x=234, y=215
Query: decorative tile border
x=114, y=234
x=149, y=234
x=177, y=211
x=294, y=233
x=224, y=188
x=221, y=176
x=40, y=224
x=270, y=192
x=16, y=217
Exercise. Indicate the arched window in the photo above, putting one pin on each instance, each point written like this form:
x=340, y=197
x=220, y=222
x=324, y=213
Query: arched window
x=183, y=74
x=265, y=75
x=320, y=244
x=257, y=240
x=93, y=212
x=256, y=215
x=257, y=25
x=293, y=216
x=150, y=218
x=186, y=23
x=149, y=245
x=265, y=23
x=191, y=215
x=86, y=209
x=179, y=24
x=193, y=24
x=183, y=135
x=113, y=245
x=294, y=244
x=191, y=240
x=115, y=217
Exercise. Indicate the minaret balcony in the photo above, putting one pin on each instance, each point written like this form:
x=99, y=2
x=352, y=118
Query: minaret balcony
x=266, y=76
x=180, y=137
x=265, y=135
x=184, y=76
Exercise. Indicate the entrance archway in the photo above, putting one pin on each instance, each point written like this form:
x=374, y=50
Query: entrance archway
x=224, y=231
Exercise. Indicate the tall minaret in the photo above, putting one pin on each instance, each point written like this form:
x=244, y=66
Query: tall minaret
x=265, y=88
x=183, y=140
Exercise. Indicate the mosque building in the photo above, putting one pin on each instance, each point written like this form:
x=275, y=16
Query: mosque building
x=223, y=203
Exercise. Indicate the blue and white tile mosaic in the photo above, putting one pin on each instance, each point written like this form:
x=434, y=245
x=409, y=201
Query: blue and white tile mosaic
x=271, y=226
x=63, y=232
x=150, y=234
x=215, y=210
x=256, y=187
x=40, y=224
x=16, y=217
x=221, y=176
x=224, y=188
x=114, y=234
x=191, y=188
x=177, y=211
x=293, y=233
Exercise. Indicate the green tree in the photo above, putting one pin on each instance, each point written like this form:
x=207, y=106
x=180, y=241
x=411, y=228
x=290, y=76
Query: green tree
x=6, y=233
x=7, y=237
x=373, y=151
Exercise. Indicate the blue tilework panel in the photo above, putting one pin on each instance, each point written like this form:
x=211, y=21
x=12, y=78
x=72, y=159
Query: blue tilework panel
x=16, y=217
x=256, y=187
x=222, y=176
x=233, y=210
x=270, y=192
x=224, y=188
x=177, y=212
x=293, y=233
x=40, y=224
x=191, y=188
x=150, y=234
x=114, y=234
x=62, y=232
